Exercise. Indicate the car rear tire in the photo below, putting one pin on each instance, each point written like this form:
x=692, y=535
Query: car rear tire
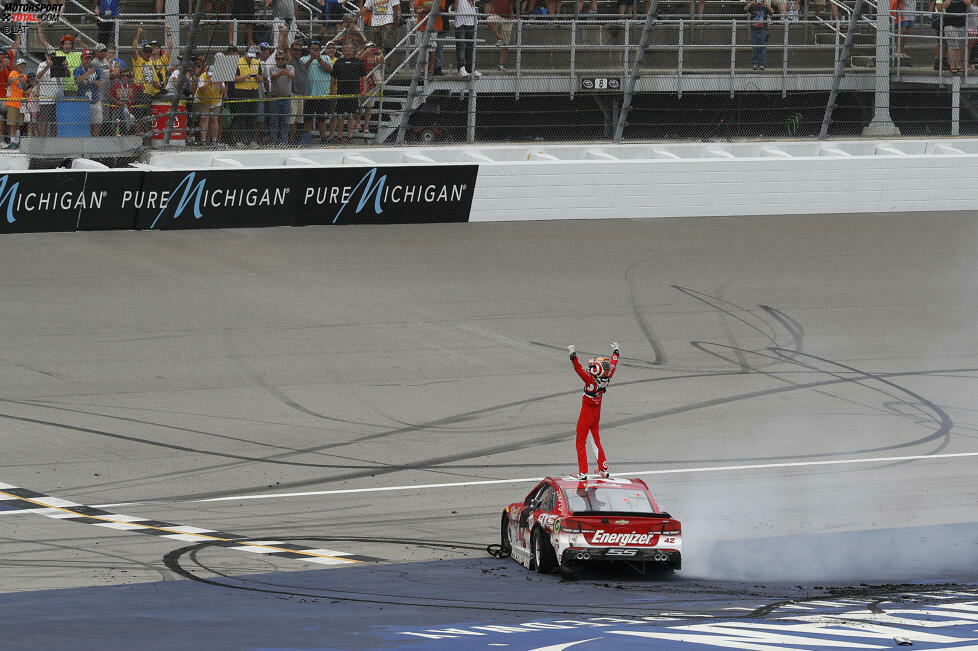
x=504, y=533
x=544, y=556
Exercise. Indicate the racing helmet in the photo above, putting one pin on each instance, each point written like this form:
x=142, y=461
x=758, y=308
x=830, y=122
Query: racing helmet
x=599, y=367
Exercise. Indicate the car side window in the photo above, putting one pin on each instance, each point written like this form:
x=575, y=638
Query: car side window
x=546, y=498
x=537, y=494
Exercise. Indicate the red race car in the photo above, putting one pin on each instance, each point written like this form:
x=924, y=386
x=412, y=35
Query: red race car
x=565, y=522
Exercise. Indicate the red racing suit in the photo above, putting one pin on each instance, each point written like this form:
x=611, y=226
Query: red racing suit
x=594, y=389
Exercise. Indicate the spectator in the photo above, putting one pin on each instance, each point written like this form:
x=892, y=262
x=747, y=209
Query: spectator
x=210, y=97
x=383, y=16
x=115, y=63
x=245, y=99
x=87, y=77
x=105, y=66
x=465, y=20
x=150, y=66
x=123, y=95
x=283, y=11
x=956, y=32
x=334, y=122
x=72, y=58
x=500, y=22
x=332, y=13
x=436, y=50
x=903, y=13
x=318, y=76
x=49, y=90
x=7, y=58
x=301, y=74
x=266, y=63
x=242, y=10
x=760, y=13
x=16, y=87
x=373, y=59
x=348, y=31
x=592, y=9
x=281, y=91
x=107, y=12
x=348, y=72
x=32, y=112
x=820, y=10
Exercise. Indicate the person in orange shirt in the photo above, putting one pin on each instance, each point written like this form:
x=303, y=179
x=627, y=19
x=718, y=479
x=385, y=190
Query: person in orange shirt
x=16, y=85
x=436, y=56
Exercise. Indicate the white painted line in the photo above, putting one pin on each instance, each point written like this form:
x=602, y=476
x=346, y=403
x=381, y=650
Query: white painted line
x=487, y=482
x=324, y=561
x=121, y=526
x=57, y=501
x=184, y=529
x=186, y=536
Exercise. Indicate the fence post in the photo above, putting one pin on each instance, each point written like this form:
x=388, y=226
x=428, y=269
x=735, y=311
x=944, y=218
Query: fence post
x=733, y=54
x=182, y=76
x=626, y=102
x=882, y=124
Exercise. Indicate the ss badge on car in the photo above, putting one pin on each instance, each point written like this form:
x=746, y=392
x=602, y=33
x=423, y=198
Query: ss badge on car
x=621, y=552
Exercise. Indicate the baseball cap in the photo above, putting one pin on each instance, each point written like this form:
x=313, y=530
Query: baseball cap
x=86, y=53
x=67, y=37
x=252, y=52
x=101, y=47
x=265, y=46
x=20, y=61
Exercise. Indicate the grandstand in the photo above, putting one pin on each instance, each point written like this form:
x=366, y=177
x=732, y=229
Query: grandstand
x=572, y=76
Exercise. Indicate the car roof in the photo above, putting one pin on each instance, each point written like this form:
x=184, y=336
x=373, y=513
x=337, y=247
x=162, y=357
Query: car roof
x=615, y=482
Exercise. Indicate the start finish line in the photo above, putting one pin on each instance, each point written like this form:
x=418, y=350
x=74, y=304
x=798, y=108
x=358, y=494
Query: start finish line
x=947, y=626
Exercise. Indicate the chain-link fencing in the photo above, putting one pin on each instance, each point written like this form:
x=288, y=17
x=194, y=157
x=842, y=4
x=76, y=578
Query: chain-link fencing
x=110, y=85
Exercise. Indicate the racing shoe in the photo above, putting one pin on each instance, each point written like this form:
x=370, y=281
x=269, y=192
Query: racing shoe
x=580, y=475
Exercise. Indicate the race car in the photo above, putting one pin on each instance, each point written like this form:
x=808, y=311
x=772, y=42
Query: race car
x=567, y=522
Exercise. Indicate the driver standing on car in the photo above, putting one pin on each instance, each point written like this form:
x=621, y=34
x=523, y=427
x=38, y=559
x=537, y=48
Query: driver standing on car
x=596, y=378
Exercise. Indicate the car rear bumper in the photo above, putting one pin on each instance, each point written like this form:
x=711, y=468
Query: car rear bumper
x=667, y=558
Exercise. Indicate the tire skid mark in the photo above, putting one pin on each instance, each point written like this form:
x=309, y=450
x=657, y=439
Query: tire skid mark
x=657, y=350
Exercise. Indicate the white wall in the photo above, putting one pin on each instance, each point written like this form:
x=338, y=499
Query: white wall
x=583, y=181
x=678, y=188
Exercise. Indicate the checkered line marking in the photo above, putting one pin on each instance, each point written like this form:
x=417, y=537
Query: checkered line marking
x=13, y=498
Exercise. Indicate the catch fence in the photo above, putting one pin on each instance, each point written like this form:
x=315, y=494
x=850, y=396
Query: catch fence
x=675, y=74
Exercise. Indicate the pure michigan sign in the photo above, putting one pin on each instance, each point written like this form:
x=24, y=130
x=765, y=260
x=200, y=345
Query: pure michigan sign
x=69, y=200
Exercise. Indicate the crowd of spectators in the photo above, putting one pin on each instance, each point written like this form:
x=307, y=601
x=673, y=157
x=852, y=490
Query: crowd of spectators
x=288, y=89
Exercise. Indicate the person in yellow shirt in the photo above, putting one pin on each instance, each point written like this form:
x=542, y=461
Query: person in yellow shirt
x=149, y=66
x=244, y=105
x=210, y=95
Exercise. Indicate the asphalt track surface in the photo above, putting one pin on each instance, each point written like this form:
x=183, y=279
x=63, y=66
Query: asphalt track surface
x=799, y=391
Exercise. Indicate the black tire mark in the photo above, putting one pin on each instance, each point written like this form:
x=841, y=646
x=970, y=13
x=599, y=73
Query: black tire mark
x=173, y=562
x=274, y=391
x=788, y=357
x=794, y=328
x=708, y=299
x=553, y=438
x=657, y=350
x=147, y=566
